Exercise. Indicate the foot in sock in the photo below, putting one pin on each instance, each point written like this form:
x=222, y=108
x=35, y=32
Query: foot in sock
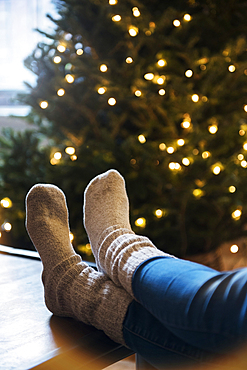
x=117, y=250
x=72, y=288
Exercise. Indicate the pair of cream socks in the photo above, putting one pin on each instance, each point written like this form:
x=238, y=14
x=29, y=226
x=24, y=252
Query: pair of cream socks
x=72, y=288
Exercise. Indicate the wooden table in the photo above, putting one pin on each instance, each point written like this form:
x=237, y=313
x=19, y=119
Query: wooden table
x=32, y=338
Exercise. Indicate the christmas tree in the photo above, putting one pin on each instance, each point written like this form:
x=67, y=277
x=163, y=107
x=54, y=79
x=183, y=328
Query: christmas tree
x=155, y=89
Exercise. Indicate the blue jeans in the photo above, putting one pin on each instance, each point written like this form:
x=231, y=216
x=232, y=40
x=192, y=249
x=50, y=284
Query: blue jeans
x=185, y=313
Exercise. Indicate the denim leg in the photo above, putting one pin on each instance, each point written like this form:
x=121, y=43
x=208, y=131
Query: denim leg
x=148, y=337
x=201, y=306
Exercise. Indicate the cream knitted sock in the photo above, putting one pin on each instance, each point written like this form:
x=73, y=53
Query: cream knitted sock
x=117, y=250
x=72, y=288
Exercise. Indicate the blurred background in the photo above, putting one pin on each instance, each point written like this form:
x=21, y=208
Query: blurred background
x=155, y=89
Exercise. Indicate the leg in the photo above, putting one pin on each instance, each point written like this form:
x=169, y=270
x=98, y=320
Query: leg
x=194, y=302
x=204, y=307
x=72, y=288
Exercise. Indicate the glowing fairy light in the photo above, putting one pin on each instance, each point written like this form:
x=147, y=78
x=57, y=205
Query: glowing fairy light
x=170, y=150
x=141, y=222
x=160, y=80
x=57, y=155
x=129, y=60
x=112, y=101
x=187, y=17
x=232, y=68
x=103, y=68
x=101, y=90
x=162, y=92
x=189, y=73
x=149, y=76
x=236, y=214
x=69, y=78
x=180, y=142
x=158, y=213
x=57, y=59
x=186, y=161
x=176, y=23
x=162, y=63
x=195, y=98
x=138, y=93
x=70, y=150
x=73, y=157
x=234, y=248
x=245, y=107
x=116, y=18
x=206, y=154
x=61, y=48
x=245, y=146
x=71, y=236
x=174, y=166
x=232, y=189
x=198, y=193
x=217, y=168
x=112, y=2
x=213, y=129
x=133, y=31
x=60, y=92
x=240, y=157
x=162, y=146
x=243, y=164
x=6, y=226
x=142, y=139
x=43, y=104
x=79, y=51
x=136, y=12
x=185, y=124
x=6, y=202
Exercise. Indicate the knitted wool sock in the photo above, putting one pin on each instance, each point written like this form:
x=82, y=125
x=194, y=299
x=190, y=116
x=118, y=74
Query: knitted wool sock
x=117, y=250
x=72, y=288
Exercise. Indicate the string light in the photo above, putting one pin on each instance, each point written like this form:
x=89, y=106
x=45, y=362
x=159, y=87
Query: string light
x=70, y=150
x=187, y=17
x=213, y=129
x=133, y=31
x=162, y=146
x=189, y=73
x=136, y=12
x=43, y=104
x=113, y=2
x=161, y=80
x=61, y=48
x=232, y=189
x=6, y=203
x=149, y=76
x=79, y=51
x=240, y=157
x=234, y=248
x=245, y=146
x=185, y=124
x=116, y=18
x=141, y=222
x=245, y=108
x=69, y=78
x=176, y=23
x=198, y=193
x=60, y=92
x=162, y=92
x=142, y=139
x=129, y=60
x=186, y=161
x=57, y=155
x=174, y=166
x=71, y=236
x=217, y=168
x=7, y=226
x=73, y=157
x=112, y=101
x=158, y=213
x=241, y=132
x=101, y=90
x=170, y=150
x=243, y=164
x=57, y=59
x=180, y=142
x=232, y=68
x=138, y=93
x=162, y=63
x=195, y=98
x=236, y=214
x=206, y=155
x=103, y=68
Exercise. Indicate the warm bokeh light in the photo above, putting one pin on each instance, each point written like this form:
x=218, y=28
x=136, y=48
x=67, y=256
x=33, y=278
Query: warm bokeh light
x=129, y=60
x=162, y=146
x=232, y=189
x=103, y=68
x=234, y=248
x=133, y=31
x=149, y=76
x=69, y=78
x=70, y=150
x=141, y=222
x=61, y=48
x=6, y=203
x=162, y=92
x=116, y=18
x=60, y=92
x=236, y=214
x=170, y=149
x=112, y=101
x=142, y=139
x=176, y=23
x=101, y=90
x=195, y=98
x=57, y=59
x=43, y=104
x=158, y=213
x=57, y=155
